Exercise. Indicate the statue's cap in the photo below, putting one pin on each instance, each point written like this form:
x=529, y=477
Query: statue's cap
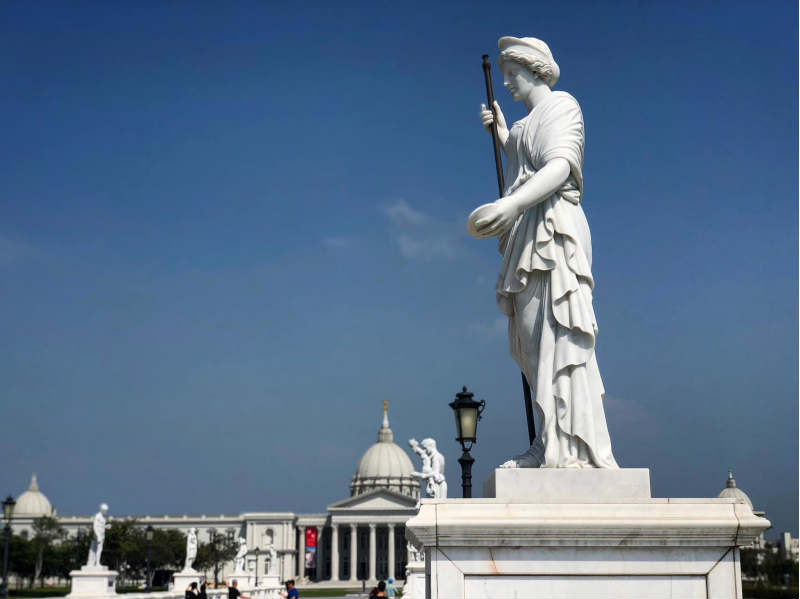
x=533, y=48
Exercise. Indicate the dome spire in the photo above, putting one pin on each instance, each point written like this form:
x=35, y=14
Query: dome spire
x=34, y=486
x=385, y=435
x=731, y=482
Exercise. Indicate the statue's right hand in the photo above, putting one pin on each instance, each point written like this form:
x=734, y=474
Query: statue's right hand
x=487, y=118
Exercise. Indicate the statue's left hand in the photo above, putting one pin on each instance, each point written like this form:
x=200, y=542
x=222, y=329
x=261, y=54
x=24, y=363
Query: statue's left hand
x=497, y=218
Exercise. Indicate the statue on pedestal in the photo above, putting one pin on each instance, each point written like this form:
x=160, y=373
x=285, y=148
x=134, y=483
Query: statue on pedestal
x=238, y=561
x=545, y=283
x=272, y=561
x=191, y=548
x=432, y=467
x=99, y=527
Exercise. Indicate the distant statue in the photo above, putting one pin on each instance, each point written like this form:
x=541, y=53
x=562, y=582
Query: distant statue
x=99, y=527
x=272, y=561
x=545, y=283
x=241, y=552
x=432, y=467
x=191, y=548
x=414, y=555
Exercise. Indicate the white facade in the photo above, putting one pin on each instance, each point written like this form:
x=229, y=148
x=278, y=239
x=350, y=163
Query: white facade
x=358, y=538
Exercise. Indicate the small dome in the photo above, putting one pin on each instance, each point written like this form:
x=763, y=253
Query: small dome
x=33, y=503
x=732, y=492
x=385, y=465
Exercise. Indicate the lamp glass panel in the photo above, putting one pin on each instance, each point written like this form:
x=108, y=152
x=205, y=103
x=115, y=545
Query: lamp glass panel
x=469, y=422
x=8, y=508
x=458, y=423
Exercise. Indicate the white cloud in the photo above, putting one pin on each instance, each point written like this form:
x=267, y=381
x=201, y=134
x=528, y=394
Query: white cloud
x=337, y=242
x=419, y=236
x=426, y=248
x=497, y=327
x=403, y=215
x=625, y=412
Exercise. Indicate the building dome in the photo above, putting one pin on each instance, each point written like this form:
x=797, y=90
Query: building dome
x=33, y=503
x=731, y=491
x=385, y=466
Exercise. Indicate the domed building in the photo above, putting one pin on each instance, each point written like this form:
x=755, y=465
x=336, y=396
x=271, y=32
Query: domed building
x=31, y=504
x=731, y=491
x=360, y=538
x=385, y=466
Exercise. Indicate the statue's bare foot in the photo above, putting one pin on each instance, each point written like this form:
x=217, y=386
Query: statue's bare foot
x=532, y=458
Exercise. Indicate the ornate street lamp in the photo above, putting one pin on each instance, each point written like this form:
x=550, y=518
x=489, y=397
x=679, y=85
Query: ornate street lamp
x=8, y=513
x=467, y=412
x=148, y=534
x=257, y=552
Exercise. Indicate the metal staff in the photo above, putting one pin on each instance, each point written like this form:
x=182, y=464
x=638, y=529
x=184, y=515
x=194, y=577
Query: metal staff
x=501, y=186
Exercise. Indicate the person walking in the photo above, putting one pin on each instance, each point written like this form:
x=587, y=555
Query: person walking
x=391, y=590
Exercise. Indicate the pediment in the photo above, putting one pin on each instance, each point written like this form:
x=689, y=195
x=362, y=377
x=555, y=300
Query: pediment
x=379, y=499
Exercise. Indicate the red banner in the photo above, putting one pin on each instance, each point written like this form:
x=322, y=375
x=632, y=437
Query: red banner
x=311, y=537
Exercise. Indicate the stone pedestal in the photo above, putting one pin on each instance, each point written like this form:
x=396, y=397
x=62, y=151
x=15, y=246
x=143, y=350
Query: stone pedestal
x=415, y=581
x=270, y=581
x=246, y=580
x=582, y=533
x=93, y=581
x=184, y=578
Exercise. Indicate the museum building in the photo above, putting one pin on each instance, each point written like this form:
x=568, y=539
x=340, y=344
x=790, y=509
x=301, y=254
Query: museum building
x=358, y=538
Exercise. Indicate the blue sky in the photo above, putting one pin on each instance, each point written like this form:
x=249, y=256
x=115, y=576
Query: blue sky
x=229, y=233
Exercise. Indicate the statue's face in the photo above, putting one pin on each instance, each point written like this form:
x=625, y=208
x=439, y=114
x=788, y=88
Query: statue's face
x=518, y=80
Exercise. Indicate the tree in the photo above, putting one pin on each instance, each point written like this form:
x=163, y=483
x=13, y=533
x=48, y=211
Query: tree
x=222, y=548
x=46, y=530
x=22, y=558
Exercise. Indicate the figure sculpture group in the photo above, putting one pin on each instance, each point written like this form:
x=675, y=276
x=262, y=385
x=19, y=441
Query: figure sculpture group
x=432, y=467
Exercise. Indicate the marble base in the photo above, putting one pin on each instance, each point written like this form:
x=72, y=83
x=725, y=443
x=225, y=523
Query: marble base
x=591, y=544
x=246, y=580
x=184, y=578
x=414, y=587
x=270, y=581
x=567, y=485
x=93, y=581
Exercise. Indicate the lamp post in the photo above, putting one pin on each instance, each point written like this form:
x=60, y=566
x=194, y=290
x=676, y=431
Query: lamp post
x=8, y=512
x=213, y=533
x=257, y=552
x=148, y=534
x=467, y=412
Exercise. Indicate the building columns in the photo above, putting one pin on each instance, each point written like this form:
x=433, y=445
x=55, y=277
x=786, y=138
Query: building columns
x=301, y=553
x=391, y=551
x=319, y=573
x=334, y=552
x=372, y=551
x=353, y=552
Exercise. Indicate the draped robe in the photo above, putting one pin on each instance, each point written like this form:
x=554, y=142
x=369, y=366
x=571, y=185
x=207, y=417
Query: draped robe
x=545, y=289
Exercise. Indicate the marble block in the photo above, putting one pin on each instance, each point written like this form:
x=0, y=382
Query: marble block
x=414, y=587
x=93, y=581
x=567, y=485
x=526, y=543
x=270, y=581
x=184, y=578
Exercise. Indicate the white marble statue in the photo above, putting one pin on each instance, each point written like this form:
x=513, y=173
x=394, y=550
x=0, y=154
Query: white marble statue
x=414, y=554
x=272, y=561
x=99, y=527
x=238, y=561
x=191, y=548
x=432, y=467
x=545, y=283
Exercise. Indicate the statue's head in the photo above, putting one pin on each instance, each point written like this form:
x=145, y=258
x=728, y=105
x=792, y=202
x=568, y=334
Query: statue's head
x=429, y=445
x=526, y=61
x=103, y=509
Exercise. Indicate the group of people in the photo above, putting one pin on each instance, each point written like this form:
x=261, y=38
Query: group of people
x=195, y=591
x=384, y=589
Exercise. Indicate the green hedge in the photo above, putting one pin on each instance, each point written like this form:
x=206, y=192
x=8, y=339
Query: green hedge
x=753, y=591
